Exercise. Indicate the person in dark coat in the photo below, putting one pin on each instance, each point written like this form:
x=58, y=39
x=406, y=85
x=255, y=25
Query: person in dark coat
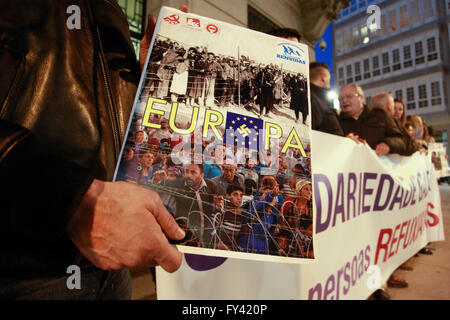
x=324, y=118
x=299, y=97
x=194, y=201
x=374, y=125
x=265, y=82
x=385, y=101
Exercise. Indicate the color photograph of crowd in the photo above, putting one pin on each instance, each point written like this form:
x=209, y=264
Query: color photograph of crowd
x=230, y=199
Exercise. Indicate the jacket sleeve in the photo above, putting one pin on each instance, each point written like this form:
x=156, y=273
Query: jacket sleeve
x=410, y=145
x=394, y=138
x=323, y=118
x=40, y=193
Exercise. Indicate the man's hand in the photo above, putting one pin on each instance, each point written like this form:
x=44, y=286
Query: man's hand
x=382, y=149
x=119, y=224
x=356, y=138
x=147, y=39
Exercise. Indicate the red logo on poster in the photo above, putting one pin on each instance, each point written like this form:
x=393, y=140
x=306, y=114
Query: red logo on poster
x=193, y=22
x=173, y=19
x=212, y=28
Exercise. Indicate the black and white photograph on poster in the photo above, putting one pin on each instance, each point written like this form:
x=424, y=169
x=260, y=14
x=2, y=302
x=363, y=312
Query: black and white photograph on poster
x=220, y=130
x=439, y=159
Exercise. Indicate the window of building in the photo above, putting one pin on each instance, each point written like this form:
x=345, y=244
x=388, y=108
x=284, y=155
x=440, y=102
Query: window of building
x=366, y=68
x=428, y=9
x=422, y=91
x=431, y=47
x=362, y=4
x=411, y=104
x=375, y=66
x=355, y=35
x=364, y=34
x=366, y=65
x=375, y=62
x=257, y=21
x=435, y=93
x=399, y=94
x=418, y=47
x=347, y=39
x=383, y=29
x=339, y=43
x=373, y=29
x=404, y=19
x=358, y=71
x=393, y=20
x=349, y=70
x=396, y=59
x=407, y=62
x=415, y=13
x=385, y=59
x=341, y=73
x=135, y=12
x=423, y=102
x=353, y=6
x=358, y=67
x=349, y=74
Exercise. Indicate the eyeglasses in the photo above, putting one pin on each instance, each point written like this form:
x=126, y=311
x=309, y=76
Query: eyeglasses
x=349, y=96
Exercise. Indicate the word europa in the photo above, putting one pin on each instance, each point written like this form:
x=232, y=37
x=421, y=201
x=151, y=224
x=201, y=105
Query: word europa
x=348, y=198
x=406, y=232
x=230, y=309
x=271, y=130
x=346, y=278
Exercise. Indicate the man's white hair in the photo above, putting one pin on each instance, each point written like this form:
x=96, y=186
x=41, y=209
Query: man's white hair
x=381, y=99
x=356, y=87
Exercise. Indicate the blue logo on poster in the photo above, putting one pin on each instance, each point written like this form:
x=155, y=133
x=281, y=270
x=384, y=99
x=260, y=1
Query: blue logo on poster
x=291, y=52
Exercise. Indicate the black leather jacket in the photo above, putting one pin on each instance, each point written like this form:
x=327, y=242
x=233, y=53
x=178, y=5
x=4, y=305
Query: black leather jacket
x=65, y=100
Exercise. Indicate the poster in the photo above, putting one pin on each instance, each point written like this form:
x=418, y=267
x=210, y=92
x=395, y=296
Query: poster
x=220, y=130
x=439, y=159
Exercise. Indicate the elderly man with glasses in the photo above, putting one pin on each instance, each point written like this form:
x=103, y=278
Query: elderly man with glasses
x=374, y=125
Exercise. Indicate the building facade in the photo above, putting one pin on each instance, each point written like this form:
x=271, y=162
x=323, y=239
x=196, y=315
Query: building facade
x=260, y=15
x=402, y=49
x=310, y=17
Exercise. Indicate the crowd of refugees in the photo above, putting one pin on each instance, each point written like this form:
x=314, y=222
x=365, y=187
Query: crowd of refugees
x=225, y=197
x=198, y=77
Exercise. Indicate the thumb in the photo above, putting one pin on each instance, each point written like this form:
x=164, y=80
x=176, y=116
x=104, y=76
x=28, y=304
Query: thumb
x=150, y=29
x=167, y=223
x=184, y=8
x=146, y=40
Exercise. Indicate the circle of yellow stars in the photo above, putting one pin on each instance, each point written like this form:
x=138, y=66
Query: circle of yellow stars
x=245, y=119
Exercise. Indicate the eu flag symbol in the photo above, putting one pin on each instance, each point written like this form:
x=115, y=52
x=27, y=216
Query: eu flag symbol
x=243, y=131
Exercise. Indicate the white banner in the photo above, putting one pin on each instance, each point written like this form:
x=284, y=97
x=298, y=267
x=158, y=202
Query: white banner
x=371, y=215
